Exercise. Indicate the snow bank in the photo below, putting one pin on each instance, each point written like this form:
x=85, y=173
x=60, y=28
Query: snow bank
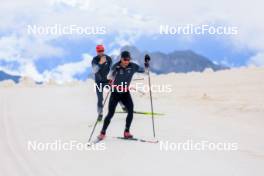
x=7, y=83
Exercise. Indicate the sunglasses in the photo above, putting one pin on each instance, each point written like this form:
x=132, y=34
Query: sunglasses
x=100, y=51
x=126, y=59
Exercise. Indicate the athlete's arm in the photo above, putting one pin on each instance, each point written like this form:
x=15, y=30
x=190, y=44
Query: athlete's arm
x=95, y=65
x=139, y=69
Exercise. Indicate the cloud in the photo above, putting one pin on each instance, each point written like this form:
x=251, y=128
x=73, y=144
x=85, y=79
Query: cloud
x=61, y=73
x=66, y=72
x=16, y=45
x=128, y=21
x=28, y=69
x=23, y=51
x=136, y=18
x=81, y=4
x=21, y=48
x=25, y=68
x=257, y=60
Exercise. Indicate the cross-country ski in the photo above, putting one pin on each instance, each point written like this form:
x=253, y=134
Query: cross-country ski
x=138, y=139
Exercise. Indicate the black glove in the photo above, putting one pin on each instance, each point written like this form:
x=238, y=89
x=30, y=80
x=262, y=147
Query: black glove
x=117, y=67
x=147, y=59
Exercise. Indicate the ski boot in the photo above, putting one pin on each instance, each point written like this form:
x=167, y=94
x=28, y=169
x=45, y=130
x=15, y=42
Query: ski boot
x=128, y=135
x=101, y=136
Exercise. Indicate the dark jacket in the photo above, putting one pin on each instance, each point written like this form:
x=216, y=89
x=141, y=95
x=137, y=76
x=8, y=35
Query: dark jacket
x=123, y=76
x=101, y=70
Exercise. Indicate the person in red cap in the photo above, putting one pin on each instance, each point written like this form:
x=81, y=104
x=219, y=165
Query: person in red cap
x=101, y=65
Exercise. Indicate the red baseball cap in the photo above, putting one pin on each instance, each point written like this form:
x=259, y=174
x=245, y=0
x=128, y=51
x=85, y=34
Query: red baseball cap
x=99, y=48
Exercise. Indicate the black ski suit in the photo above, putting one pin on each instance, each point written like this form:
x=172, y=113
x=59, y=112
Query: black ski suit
x=101, y=71
x=120, y=76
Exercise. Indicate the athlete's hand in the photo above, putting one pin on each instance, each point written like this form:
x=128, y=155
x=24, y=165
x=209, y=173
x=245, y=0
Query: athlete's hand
x=147, y=58
x=102, y=60
x=117, y=68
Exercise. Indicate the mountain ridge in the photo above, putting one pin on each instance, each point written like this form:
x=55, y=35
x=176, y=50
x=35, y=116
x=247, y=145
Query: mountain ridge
x=6, y=76
x=181, y=61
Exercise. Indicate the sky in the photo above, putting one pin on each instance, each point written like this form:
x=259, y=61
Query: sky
x=66, y=57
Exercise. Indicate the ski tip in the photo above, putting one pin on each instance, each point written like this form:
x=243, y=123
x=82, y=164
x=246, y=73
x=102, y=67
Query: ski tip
x=150, y=141
x=154, y=141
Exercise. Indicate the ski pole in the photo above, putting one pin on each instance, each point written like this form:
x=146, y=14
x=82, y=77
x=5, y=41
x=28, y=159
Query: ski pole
x=147, y=59
x=95, y=124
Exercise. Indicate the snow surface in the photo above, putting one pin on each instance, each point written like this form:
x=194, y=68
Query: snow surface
x=224, y=106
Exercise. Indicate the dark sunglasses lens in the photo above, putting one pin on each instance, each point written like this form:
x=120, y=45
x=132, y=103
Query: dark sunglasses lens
x=126, y=59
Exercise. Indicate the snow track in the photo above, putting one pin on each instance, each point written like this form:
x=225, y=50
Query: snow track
x=230, y=110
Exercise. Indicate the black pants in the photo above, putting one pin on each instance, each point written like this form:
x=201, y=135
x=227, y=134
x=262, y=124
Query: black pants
x=100, y=98
x=126, y=99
